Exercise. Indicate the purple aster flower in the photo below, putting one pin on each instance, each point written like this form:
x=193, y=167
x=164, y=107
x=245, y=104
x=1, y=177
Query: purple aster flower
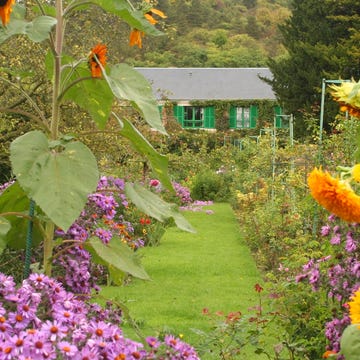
x=336, y=239
x=67, y=349
x=350, y=244
x=325, y=230
x=153, y=342
x=104, y=235
x=54, y=330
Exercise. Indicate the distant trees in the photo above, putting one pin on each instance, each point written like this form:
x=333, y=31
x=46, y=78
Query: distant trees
x=206, y=33
x=322, y=41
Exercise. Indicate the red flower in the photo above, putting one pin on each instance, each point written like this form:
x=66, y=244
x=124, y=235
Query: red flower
x=258, y=288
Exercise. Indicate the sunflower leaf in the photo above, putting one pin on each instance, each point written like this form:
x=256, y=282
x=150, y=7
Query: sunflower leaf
x=91, y=94
x=117, y=257
x=127, y=83
x=159, y=163
x=54, y=179
x=5, y=226
x=37, y=30
x=154, y=206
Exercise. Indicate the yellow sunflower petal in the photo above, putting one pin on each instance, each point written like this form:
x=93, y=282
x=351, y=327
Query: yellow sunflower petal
x=354, y=308
x=355, y=171
x=334, y=195
x=159, y=13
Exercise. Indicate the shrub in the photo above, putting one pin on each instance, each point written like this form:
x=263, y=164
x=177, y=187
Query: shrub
x=209, y=185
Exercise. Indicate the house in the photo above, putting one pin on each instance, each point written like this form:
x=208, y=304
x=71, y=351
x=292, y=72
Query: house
x=199, y=96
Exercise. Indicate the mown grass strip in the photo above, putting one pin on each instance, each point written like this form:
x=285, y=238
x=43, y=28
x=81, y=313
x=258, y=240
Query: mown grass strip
x=211, y=269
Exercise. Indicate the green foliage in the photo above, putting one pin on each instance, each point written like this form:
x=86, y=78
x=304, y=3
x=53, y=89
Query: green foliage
x=350, y=346
x=15, y=203
x=158, y=162
x=207, y=33
x=151, y=204
x=317, y=34
x=56, y=170
x=208, y=185
x=117, y=257
x=302, y=315
x=55, y=174
x=37, y=30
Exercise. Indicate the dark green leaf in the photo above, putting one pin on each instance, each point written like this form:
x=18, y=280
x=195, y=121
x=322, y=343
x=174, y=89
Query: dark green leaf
x=5, y=226
x=117, y=257
x=91, y=94
x=14, y=199
x=58, y=181
x=155, y=207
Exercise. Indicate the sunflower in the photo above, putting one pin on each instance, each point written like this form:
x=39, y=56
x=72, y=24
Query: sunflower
x=354, y=307
x=334, y=195
x=97, y=55
x=5, y=10
x=137, y=35
x=347, y=94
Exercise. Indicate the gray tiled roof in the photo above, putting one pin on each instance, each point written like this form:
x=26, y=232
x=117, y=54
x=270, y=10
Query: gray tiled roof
x=209, y=83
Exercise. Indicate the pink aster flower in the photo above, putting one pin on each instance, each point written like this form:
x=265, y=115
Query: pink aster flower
x=67, y=349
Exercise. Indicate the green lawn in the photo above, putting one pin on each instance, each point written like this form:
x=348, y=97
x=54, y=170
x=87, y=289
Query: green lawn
x=211, y=269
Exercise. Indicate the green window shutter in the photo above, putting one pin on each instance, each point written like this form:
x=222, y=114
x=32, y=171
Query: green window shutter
x=278, y=121
x=179, y=114
x=209, y=117
x=253, y=116
x=160, y=107
x=232, y=117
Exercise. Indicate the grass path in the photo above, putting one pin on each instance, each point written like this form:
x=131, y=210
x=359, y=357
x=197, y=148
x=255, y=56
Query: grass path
x=211, y=269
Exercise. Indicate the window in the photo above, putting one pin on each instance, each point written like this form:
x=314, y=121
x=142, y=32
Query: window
x=243, y=117
x=193, y=117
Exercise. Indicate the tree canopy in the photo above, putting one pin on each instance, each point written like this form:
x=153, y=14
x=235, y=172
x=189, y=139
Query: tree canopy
x=321, y=39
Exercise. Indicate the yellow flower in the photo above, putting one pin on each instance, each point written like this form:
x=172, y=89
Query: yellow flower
x=347, y=94
x=354, y=307
x=355, y=171
x=5, y=10
x=97, y=55
x=334, y=195
x=137, y=35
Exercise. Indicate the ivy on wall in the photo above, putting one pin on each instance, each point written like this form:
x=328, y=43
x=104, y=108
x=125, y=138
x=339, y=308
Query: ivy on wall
x=222, y=108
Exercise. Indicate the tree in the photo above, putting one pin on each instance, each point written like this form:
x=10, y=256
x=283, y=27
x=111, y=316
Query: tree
x=316, y=37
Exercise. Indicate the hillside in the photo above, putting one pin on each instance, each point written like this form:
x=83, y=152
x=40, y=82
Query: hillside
x=214, y=33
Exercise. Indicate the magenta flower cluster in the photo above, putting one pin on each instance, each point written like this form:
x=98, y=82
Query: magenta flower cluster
x=40, y=320
x=338, y=274
x=182, y=193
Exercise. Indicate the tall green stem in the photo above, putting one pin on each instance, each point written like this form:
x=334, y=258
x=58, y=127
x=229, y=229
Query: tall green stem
x=54, y=126
x=57, y=70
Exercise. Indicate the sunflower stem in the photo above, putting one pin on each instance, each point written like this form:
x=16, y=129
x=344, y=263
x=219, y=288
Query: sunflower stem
x=54, y=126
x=57, y=70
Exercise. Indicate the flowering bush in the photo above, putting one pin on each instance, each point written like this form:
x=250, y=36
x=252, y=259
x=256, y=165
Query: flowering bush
x=41, y=320
x=339, y=273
